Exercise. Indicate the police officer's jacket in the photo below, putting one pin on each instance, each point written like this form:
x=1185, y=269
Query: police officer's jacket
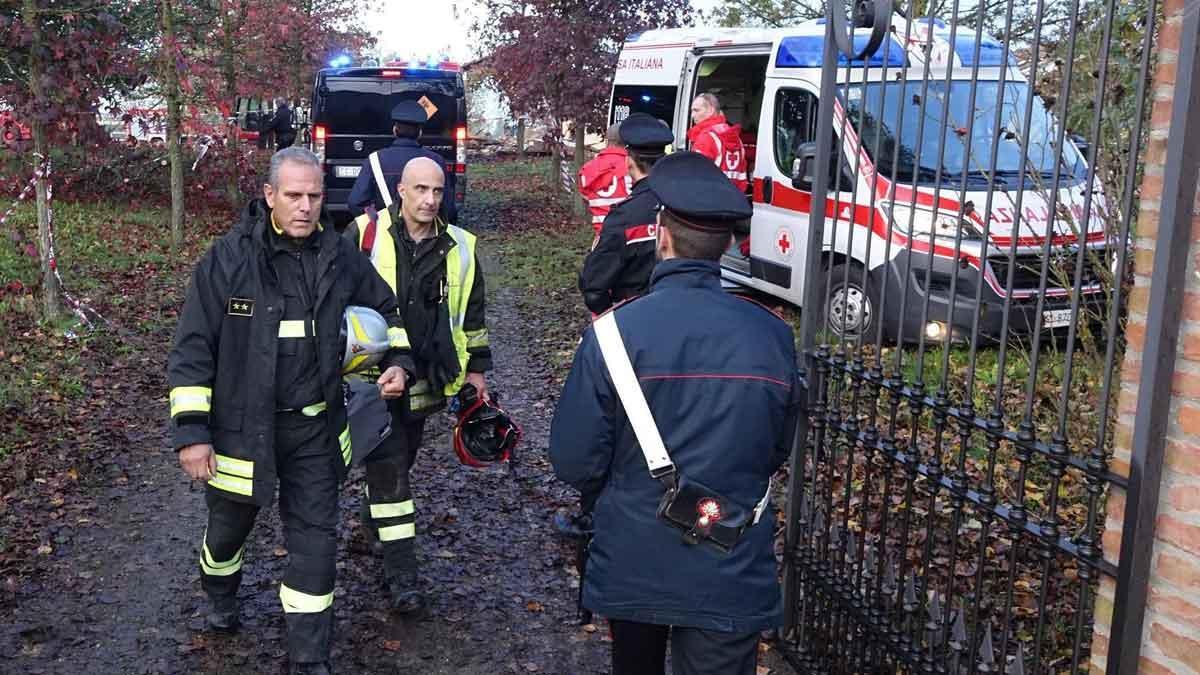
x=222, y=368
x=719, y=376
x=438, y=283
x=619, y=266
x=392, y=161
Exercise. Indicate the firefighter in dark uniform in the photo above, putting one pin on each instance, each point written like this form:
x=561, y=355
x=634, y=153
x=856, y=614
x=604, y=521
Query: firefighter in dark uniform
x=256, y=394
x=434, y=270
x=719, y=376
x=375, y=186
x=619, y=266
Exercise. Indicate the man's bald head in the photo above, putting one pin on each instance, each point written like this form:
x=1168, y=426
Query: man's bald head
x=422, y=184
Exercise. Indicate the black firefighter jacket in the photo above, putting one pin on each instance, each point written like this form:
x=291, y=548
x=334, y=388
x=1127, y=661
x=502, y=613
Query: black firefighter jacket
x=226, y=347
x=619, y=267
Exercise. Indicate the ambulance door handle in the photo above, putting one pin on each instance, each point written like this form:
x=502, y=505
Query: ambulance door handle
x=768, y=189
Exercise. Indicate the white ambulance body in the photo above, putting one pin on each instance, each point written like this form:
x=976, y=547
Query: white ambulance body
x=768, y=82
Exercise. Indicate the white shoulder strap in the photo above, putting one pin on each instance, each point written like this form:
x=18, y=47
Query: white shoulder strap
x=380, y=183
x=612, y=348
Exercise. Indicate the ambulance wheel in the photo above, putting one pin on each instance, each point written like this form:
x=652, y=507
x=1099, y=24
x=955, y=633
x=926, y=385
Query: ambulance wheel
x=853, y=308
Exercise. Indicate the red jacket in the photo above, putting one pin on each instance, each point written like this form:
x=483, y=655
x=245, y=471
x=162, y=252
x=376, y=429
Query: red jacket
x=721, y=142
x=604, y=182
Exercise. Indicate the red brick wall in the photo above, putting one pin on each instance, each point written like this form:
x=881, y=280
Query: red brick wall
x=1171, y=634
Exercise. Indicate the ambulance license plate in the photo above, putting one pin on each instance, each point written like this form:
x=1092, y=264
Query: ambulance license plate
x=346, y=171
x=1056, y=318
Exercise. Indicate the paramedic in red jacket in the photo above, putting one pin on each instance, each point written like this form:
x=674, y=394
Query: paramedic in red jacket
x=604, y=181
x=715, y=138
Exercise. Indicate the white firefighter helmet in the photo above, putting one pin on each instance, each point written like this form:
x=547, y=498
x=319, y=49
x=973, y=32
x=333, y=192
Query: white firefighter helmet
x=365, y=334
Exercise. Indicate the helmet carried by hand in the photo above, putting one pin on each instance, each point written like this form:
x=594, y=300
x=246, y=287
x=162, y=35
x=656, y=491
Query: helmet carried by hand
x=484, y=434
x=364, y=337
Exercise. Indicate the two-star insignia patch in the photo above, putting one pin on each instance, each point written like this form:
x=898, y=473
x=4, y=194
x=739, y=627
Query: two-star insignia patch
x=240, y=307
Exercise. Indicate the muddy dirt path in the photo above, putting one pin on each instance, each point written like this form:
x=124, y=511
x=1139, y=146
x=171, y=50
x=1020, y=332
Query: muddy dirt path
x=119, y=590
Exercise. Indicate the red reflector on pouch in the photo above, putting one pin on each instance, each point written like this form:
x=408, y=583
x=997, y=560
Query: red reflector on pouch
x=709, y=511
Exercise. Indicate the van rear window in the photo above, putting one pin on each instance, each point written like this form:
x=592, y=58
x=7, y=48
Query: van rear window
x=656, y=101
x=364, y=105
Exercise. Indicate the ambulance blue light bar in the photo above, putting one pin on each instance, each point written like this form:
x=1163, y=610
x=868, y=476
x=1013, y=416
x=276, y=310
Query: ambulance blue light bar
x=807, y=51
x=991, y=52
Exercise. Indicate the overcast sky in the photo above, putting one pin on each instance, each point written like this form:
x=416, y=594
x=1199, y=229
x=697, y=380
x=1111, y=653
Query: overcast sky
x=421, y=28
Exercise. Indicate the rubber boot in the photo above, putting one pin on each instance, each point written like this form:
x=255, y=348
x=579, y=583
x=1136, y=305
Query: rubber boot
x=224, y=614
x=406, y=596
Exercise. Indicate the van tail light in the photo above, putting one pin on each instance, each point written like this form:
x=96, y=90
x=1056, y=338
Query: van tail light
x=460, y=153
x=320, y=133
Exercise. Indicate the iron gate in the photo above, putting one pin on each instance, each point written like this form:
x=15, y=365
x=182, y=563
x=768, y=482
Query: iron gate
x=949, y=482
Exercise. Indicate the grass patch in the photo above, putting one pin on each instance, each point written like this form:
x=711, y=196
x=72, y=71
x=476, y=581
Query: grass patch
x=116, y=260
x=539, y=246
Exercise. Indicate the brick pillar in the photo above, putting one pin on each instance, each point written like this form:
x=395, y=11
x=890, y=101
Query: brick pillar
x=1171, y=630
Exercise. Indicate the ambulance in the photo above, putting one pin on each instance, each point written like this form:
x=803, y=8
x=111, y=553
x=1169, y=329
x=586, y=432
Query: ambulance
x=884, y=237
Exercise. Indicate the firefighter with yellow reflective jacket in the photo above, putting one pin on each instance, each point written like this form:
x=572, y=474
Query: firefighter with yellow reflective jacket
x=257, y=394
x=434, y=270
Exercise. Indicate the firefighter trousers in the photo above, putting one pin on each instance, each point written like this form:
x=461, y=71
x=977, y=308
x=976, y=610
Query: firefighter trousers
x=308, y=491
x=389, y=504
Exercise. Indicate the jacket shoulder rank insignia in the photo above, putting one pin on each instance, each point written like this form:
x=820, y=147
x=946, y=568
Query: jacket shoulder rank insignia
x=240, y=307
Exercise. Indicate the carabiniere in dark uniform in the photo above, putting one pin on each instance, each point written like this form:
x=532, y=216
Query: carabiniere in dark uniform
x=619, y=266
x=683, y=550
x=408, y=118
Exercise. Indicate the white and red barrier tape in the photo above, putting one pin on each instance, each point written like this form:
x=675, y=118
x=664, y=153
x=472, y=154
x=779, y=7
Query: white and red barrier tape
x=78, y=308
x=23, y=196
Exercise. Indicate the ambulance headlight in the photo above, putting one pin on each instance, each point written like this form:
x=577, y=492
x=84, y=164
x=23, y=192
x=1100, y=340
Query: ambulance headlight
x=917, y=220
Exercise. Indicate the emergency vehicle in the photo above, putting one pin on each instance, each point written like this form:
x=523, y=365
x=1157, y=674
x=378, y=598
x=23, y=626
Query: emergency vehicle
x=351, y=118
x=14, y=135
x=768, y=81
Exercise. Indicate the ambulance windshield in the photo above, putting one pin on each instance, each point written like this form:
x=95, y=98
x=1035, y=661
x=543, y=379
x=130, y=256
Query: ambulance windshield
x=909, y=150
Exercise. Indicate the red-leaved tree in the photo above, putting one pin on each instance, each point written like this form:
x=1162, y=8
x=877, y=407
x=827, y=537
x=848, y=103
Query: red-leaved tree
x=555, y=59
x=57, y=59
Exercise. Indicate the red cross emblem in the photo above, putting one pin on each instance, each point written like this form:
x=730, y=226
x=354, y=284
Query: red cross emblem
x=783, y=242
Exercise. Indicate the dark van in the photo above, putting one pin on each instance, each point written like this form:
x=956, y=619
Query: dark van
x=351, y=118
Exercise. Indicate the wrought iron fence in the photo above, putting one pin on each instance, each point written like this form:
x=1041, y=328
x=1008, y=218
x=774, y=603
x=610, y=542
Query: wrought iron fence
x=967, y=290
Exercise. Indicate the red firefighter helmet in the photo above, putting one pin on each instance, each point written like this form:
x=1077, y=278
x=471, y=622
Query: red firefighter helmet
x=484, y=434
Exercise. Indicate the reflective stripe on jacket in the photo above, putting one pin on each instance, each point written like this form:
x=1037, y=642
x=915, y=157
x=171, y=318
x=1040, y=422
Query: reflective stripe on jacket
x=604, y=182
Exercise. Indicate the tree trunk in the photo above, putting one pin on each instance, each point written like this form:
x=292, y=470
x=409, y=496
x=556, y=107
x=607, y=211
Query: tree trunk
x=229, y=74
x=521, y=138
x=580, y=151
x=51, y=302
x=174, y=121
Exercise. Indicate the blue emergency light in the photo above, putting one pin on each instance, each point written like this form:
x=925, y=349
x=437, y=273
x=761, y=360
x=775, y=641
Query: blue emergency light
x=991, y=52
x=807, y=51
x=340, y=61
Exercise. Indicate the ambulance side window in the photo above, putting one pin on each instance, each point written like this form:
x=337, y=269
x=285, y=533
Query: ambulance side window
x=795, y=125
